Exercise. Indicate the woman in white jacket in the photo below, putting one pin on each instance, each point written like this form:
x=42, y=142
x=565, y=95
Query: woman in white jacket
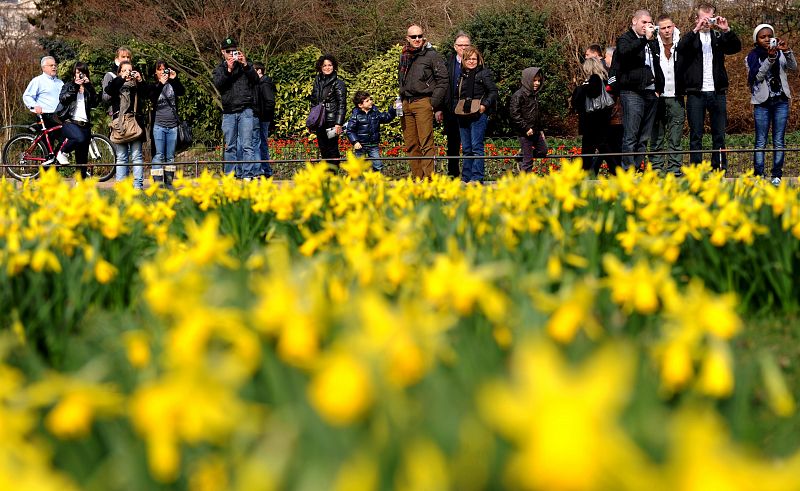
x=767, y=64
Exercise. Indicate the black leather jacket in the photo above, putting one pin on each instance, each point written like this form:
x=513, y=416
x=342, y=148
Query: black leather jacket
x=483, y=87
x=68, y=100
x=632, y=71
x=524, y=106
x=330, y=90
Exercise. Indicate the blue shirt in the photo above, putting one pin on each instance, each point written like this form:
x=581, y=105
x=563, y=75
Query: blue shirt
x=44, y=91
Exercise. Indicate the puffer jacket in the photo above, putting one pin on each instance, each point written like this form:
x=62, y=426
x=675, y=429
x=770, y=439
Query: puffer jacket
x=524, y=106
x=364, y=128
x=235, y=87
x=68, y=100
x=331, y=91
x=426, y=77
x=689, y=64
x=483, y=88
x=632, y=71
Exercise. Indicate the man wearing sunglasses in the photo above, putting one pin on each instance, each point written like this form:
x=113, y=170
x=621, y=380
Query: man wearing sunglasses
x=422, y=77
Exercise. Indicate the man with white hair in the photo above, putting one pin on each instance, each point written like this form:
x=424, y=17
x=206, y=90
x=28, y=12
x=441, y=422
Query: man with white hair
x=42, y=95
x=640, y=82
x=668, y=126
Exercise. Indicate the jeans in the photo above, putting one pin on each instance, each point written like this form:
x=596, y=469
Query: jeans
x=78, y=138
x=473, y=131
x=374, y=154
x=697, y=103
x=260, y=139
x=237, y=130
x=667, y=134
x=638, y=116
x=775, y=112
x=134, y=151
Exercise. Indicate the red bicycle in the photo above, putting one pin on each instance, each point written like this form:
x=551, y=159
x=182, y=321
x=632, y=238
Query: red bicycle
x=24, y=154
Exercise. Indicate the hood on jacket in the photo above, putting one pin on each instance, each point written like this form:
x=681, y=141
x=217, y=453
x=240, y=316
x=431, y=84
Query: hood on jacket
x=676, y=36
x=528, y=75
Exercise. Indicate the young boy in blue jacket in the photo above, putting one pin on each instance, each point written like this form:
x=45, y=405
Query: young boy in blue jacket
x=363, y=128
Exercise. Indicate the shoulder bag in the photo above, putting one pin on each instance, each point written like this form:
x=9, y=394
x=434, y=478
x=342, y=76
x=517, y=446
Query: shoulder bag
x=602, y=101
x=125, y=128
x=466, y=107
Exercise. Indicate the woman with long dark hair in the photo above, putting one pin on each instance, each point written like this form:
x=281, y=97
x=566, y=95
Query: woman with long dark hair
x=77, y=99
x=164, y=101
x=331, y=91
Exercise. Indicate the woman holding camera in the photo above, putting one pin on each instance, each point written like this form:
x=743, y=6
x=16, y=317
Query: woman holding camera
x=76, y=101
x=164, y=118
x=331, y=91
x=477, y=96
x=767, y=64
x=128, y=92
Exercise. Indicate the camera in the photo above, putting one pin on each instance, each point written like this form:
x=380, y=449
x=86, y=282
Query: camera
x=167, y=71
x=235, y=55
x=712, y=21
x=81, y=76
x=773, y=43
x=655, y=29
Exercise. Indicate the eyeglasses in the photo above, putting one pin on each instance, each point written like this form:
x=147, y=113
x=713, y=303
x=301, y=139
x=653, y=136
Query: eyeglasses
x=415, y=36
x=472, y=59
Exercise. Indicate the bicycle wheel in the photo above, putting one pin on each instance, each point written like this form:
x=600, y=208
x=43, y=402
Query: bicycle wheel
x=22, y=156
x=101, y=158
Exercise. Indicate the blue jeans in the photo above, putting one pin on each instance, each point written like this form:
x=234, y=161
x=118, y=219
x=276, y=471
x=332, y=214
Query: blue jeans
x=237, y=130
x=164, y=141
x=473, y=131
x=638, y=115
x=260, y=139
x=134, y=151
x=775, y=111
x=697, y=103
x=374, y=154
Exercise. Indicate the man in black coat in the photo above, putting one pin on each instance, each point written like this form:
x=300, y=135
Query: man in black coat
x=451, y=130
x=235, y=79
x=640, y=82
x=701, y=67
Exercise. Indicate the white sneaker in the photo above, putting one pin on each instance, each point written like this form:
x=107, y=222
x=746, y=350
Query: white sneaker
x=62, y=158
x=776, y=181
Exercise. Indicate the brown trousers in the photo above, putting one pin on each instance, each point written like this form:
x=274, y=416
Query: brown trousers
x=417, y=126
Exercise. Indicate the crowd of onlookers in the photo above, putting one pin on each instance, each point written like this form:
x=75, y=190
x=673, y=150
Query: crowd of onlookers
x=633, y=100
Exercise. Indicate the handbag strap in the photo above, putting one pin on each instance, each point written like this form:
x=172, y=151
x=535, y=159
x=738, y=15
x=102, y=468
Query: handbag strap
x=169, y=101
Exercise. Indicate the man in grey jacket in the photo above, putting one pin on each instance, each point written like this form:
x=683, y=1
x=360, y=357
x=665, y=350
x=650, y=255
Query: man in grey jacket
x=422, y=78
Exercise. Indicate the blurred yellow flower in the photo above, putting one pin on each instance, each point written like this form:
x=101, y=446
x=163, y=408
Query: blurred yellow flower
x=341, y=390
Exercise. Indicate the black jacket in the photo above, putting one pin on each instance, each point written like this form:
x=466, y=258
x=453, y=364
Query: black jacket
x=593, y=121
x=155, y=92
x=235, y=87
x=689, y=63
x=68, y=100
x=265, y=99
x=524, y=106
x=481, y=84
x=142, y=90
x=426, y=77
x=632, y=73
x=451, y=96
x=364, y=128
x=330, y=90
